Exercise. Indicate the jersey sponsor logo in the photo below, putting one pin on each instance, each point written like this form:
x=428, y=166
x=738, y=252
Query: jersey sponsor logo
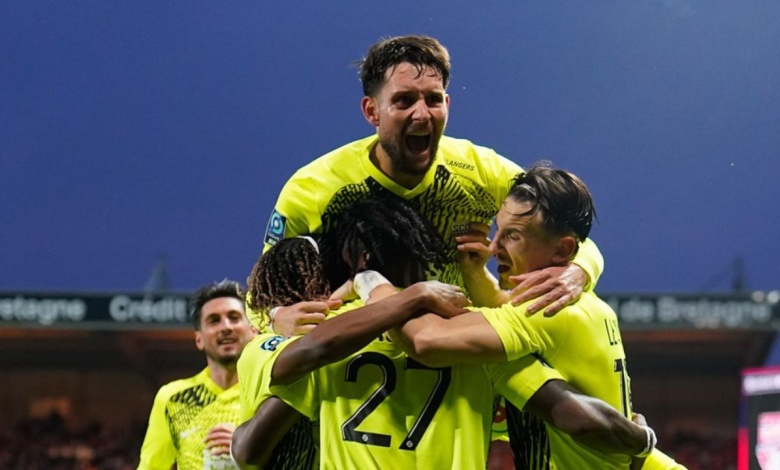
x=276, y=227
x=462, y=165
x=272, y=343
x=186, y=433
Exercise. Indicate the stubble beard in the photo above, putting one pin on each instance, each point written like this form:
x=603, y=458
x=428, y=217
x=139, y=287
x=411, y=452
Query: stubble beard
x=400, y=165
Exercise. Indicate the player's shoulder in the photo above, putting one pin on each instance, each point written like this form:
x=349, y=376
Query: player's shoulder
x=172, y=388
x=263, y=344
x=336, y=163
x=590, y=306
x=462, y=155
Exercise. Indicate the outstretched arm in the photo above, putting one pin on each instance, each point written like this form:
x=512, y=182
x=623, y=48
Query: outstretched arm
x=254, y=441
x=339, y=337
x=590, y=421
x=439, y=342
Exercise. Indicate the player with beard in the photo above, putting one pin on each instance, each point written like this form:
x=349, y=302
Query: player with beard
x=192, y=420
x=451, y=182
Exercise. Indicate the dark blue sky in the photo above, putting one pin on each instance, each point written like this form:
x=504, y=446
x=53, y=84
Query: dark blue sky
x=130, y=129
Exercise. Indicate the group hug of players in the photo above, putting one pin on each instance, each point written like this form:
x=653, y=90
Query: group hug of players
x=385, y=342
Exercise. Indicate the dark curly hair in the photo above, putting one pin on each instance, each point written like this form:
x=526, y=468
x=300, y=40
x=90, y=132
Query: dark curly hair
x=387, y=228
x=290, y=272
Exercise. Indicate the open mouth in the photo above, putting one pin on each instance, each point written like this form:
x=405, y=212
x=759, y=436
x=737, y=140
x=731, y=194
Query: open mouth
x=227, y=341
x=418, y=141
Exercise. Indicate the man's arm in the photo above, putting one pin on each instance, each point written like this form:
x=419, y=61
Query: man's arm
x=339, y=337
x=158, y=451
x=589, y=421
x=439, y=342
x=254, y=441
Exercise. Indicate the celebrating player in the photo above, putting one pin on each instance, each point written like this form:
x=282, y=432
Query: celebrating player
x=192, y=420
x=541, y=222
x=451, y=182
x=420, y=410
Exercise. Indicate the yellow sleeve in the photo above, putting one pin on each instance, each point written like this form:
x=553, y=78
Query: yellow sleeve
x=255, y=368
x=591, y=261
x=296, y=211
x=518, y=380
x=657, y=460
x=522, y=335
x=302, y=395
x=158, y=451
x=499, y=172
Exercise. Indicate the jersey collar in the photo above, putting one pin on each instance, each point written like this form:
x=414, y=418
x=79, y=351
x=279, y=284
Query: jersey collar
x=389, y=184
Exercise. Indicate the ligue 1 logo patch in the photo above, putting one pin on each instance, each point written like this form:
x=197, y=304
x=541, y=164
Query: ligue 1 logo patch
x=272, y=343
x=276, y=226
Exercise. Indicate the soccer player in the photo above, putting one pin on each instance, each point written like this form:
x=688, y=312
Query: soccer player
x=391, y=411
x=540, y=224
x=451, y=182
x=192, y=420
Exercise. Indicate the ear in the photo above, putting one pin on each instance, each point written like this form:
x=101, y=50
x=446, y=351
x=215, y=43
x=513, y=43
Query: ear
x=447, y=101
x=565, y=249
x=370, y=109
x=199, y=340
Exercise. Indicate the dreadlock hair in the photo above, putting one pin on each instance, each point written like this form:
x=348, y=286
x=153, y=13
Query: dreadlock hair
x=290, y=272
x=564, y=202
x=388, y=229
x=216, y=290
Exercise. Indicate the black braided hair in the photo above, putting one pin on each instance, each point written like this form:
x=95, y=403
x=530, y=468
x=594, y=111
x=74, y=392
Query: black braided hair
x=387, y=228
x=290, y=272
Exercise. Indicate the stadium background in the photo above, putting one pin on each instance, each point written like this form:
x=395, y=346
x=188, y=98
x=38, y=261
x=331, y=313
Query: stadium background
x=149, y=138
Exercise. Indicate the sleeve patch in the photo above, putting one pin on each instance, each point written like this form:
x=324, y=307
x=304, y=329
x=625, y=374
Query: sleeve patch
x=272, y=343
x=276, y=228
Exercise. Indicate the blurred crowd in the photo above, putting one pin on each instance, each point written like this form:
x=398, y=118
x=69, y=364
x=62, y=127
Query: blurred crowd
x=701, y=452
x=52, y=444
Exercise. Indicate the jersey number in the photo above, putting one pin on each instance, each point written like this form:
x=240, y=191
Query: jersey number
x=625, y=391
x=349, y=430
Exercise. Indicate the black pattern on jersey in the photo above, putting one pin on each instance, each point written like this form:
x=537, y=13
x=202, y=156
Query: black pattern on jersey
x=296, y=450
x=528, y=439
x=184, y=407
x=450, y=199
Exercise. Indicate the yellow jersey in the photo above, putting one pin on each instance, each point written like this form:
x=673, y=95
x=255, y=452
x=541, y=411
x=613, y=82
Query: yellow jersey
x=380, y=409
x=466, y=183
x=183, y=413
x=583, y=343
x=298, y=448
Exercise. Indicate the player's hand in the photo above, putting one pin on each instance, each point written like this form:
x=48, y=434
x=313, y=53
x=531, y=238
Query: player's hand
x=473, y=248
x=442, y=299
x=301, y=318
x=345, y=292
x=218, y=438
x=639, y=419
x=555, y=287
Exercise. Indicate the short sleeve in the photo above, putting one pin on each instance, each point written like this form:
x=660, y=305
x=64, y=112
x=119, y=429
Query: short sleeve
x=518, y=380
x=158, y=451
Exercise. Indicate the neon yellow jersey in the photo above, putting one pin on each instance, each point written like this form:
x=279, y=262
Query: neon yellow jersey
x=379, y=409
x=583, y=343
x=657, y=460
x=466, y=183
x=183, y=413
x=298, y=449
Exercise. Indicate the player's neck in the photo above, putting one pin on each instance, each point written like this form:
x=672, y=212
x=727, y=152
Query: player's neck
x=381, y=160
x=224, y=376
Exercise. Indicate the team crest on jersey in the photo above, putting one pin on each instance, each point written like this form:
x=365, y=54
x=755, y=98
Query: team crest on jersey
x=276, y=227
x=272, y=343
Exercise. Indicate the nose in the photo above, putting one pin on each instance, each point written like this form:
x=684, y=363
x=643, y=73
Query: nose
x=421, y=111
x=494, y=244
